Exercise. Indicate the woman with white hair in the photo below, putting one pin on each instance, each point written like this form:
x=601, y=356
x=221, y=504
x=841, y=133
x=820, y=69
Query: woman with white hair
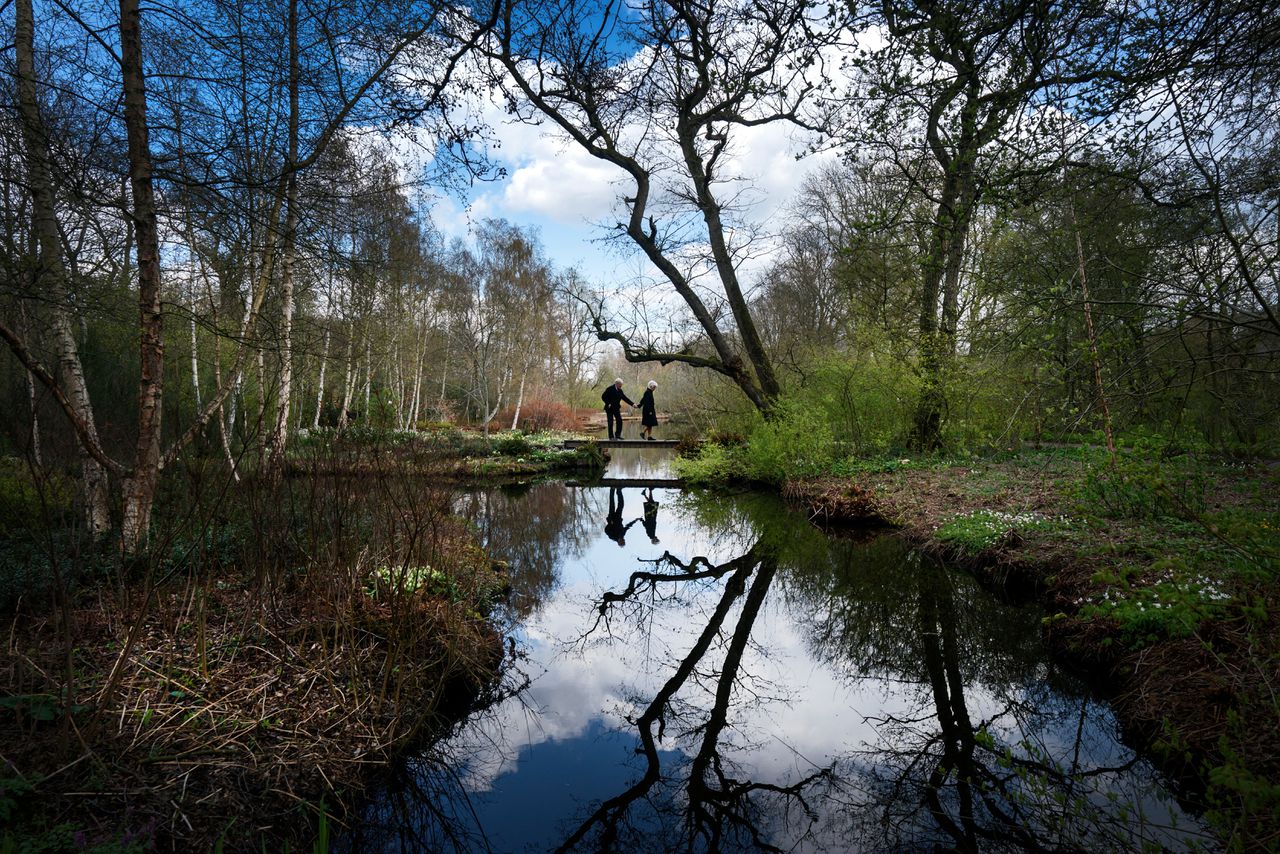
x=648, y=412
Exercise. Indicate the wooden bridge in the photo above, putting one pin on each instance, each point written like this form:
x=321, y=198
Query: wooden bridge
x=570, y=444
x=639, y=482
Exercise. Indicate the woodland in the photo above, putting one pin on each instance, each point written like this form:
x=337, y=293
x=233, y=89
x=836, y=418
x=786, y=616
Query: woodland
x=231, y=268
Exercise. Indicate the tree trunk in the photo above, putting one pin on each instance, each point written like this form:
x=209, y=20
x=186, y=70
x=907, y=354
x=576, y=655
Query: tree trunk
x=218, y=414
x=515, y=419
x=502, y=388
x=279, y=435
x=349, y=379
x=368, y=374
x=140, y=486
x=444, y=377
x=1093, y=338
x=32, y=400
x=52, y=271
x=932, y=400
x=195, y=352
x=324, y=362
x=941, y=278
x=395, y=378
x=419, y=355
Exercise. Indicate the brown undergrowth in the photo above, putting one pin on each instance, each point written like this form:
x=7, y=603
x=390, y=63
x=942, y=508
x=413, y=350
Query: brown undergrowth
x=1202, y=700
x=248, y=709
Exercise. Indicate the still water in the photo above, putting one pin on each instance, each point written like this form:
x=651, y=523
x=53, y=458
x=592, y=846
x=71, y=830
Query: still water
x=709, y=672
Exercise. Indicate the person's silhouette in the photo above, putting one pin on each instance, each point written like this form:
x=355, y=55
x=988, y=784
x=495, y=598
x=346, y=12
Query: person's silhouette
x=613, y=527
x=651, y=517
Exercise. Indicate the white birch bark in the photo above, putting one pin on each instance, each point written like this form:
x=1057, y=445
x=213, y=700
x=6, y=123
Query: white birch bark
x=52, y=271
x=348, y=380
x=280, y=434
x=324, y=363
x=515, y=419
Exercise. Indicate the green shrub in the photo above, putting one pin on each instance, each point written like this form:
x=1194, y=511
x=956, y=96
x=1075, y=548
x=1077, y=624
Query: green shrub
x=28, y=503
x=865, y=398
x=513, y=446
x=795, y=442
x=1146, y=481
x=714, y=463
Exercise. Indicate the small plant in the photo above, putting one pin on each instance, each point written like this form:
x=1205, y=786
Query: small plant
x=415, y=579
x=589, y=456
x=12, y=792
x=1173, y=605
x=986, y=529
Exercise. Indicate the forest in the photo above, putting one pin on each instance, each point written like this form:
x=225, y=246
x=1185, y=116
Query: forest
x=1003, y=275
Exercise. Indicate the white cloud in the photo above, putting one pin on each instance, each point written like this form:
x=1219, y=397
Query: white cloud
x=568, y=188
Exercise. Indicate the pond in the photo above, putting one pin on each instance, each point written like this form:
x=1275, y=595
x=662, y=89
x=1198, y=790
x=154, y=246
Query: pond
x=709, y=672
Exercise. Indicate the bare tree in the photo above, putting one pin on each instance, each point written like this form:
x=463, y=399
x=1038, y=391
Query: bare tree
x=659, y=90
x=52, y=278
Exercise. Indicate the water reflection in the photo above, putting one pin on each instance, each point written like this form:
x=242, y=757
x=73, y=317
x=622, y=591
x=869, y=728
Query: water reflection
x=650, y=517
x=747, y=683
x=614, y=528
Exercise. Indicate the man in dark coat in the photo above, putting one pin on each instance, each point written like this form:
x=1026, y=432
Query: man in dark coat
x=613, y=398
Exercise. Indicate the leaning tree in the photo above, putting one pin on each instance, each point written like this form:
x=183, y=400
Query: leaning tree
x=662, y=91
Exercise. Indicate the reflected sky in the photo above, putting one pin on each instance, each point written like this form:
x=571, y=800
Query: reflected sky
x=749, y=683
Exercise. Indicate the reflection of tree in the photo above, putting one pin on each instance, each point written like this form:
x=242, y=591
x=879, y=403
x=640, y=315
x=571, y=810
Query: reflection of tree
x=534, y=529
x=861, y=601
x=1032, y=775
x=986, y=747
x=1002, y=752
x=424, y=804
x=720, y=811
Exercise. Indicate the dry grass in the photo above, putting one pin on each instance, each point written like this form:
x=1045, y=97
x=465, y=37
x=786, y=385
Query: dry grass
x=240, y=710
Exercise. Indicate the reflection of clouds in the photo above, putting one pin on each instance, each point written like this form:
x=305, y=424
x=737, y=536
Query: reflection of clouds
x=794, y=709
x=806, y=717
x=638, y=463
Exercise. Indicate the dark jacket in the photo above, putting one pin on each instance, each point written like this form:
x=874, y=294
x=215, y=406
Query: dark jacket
x=648, y=409
x=613, y=398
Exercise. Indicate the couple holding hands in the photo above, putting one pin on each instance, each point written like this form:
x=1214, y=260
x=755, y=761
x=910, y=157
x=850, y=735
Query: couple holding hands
x=613, y=397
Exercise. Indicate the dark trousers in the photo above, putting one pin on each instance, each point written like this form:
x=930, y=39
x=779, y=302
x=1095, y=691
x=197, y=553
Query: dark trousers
x=614, y=416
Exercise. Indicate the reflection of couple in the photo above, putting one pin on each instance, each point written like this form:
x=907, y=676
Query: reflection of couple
x=613, y=527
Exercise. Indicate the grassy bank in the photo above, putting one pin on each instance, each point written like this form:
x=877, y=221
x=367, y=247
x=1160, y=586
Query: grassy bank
x=1159, y=571
x=446, y=453
x=246, y=679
